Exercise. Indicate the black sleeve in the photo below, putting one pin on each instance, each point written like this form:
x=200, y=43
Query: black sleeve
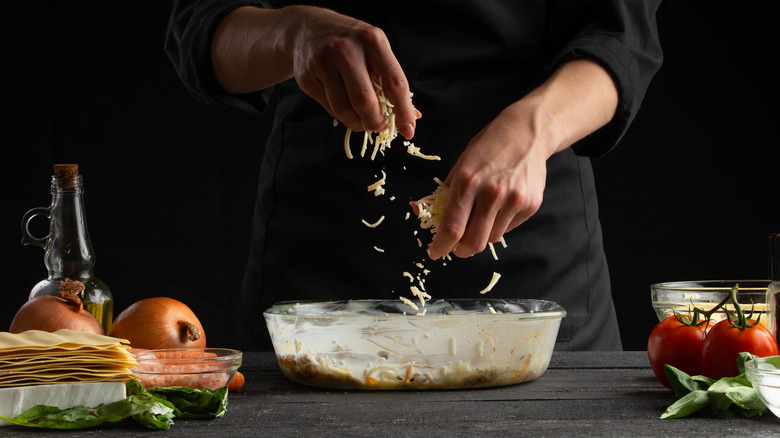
x=622, y=35
x=188, y=45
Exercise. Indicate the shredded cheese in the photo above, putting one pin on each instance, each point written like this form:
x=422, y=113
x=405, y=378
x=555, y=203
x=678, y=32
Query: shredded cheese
x=493, y=251
x=411, y=149
x=378, y=249
x=492, y=283
x=383, y=138
x=422, y=296
x=378, y=187
x=346, y=143
x=431, y=208
x=366, y=139
x=409, y=303
x=375, y=224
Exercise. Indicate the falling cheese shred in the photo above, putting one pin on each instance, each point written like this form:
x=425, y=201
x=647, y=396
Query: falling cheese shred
x=492, y=283
x=409, y=303
x=378, y=187
x=346, y=143
x=375, y=224
x=422, y=296
x=493, y=251
x=411, y=149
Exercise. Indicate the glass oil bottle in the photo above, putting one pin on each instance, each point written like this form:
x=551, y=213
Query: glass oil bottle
x=68, y=250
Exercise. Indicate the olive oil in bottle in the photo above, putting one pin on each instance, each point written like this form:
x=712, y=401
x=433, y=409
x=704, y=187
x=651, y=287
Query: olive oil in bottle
x=68, y=249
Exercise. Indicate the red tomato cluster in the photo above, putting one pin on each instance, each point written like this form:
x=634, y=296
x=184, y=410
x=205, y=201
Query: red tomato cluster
x=701, y=350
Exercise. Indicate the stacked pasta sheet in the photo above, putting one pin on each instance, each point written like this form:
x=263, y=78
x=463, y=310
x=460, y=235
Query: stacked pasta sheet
x=66, y=356
x=63, y=369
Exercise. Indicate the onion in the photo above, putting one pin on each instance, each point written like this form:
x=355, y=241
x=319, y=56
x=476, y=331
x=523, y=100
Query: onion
x=50, y=313
x=156, y=323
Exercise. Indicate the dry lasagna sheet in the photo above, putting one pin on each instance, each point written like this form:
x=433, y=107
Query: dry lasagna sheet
x=66, y=356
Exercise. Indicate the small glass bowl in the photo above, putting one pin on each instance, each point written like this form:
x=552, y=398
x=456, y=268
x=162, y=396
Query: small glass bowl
x=764, y=374
x=195, y=368
x=682, y=295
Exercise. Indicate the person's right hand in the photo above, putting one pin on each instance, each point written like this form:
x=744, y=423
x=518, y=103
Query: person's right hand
x=334, y=59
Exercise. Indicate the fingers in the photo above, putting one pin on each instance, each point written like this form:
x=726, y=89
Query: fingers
x=452, y=227
x=335, y=64
x=467, y=223
x=479, y=213
x=336, y=77
x=396, y=89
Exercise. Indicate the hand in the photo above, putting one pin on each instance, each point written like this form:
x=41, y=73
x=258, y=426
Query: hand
x=496, y=184
x=334, y=59
x=499, y=179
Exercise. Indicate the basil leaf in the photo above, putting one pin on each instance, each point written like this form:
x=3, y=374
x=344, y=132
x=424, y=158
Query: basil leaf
x=154, y=408
x=735, y=395
x=728, y=397
x=193, y=403
x=683, y=383
x=742, y=359
x=152, y=414
x=688, y=404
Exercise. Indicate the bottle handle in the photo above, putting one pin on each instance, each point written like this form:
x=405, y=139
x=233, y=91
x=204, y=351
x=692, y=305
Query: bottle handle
x=27, y=237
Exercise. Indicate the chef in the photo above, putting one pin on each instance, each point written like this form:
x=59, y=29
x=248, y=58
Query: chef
x=514, y=97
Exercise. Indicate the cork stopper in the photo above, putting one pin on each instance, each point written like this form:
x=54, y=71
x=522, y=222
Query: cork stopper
x=66, y=175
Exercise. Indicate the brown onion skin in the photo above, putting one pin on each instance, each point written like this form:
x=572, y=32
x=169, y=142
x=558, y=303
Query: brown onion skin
x=49, y=313
x=158, y=323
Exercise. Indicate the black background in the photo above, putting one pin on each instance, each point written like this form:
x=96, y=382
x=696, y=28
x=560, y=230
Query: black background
x=689, y=194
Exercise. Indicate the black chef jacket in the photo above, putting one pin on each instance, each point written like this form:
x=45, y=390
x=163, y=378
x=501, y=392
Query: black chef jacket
x=465, y=61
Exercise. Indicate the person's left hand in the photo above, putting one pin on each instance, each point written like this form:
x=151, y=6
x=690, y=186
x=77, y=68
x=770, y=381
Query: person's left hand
x=499, y=179
x=496, y=184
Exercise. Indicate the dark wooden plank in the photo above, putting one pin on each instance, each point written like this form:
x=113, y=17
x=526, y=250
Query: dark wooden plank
x=581, y=394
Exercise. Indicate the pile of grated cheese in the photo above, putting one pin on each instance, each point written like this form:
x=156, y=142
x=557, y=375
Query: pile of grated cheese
x=430, y=209
x=383, y=138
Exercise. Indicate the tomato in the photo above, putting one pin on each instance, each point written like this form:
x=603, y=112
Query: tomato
x=237, y=382
x=724, y=342
x=677, y=344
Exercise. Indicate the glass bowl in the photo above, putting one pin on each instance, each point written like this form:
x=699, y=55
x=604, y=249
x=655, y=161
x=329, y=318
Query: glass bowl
x=385, y=344
x=195, y=368
x=681, y=295
x=764, y=374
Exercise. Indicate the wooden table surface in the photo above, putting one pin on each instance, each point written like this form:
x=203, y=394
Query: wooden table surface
x=581, y=394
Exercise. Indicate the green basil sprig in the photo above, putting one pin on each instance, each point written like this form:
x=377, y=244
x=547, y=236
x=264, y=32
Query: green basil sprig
x=154, y=408
x=728, y=397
